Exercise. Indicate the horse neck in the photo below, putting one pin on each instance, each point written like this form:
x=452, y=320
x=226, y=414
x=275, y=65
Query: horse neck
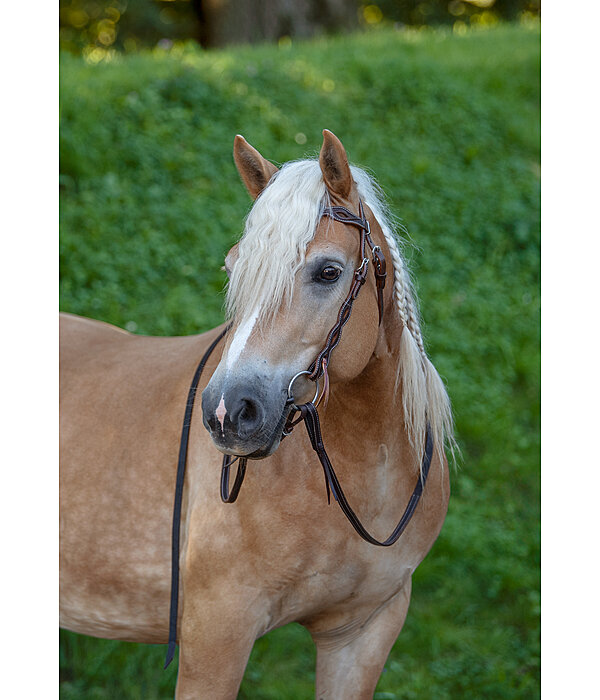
x=370, y=405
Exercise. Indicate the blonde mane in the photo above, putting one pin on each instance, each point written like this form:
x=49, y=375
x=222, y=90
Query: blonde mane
x=279, y=228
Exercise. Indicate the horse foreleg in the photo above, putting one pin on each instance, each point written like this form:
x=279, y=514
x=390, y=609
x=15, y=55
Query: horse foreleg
x=351, y=652
x=214, y=648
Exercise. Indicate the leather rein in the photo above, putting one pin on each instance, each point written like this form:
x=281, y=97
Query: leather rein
x=305, y=412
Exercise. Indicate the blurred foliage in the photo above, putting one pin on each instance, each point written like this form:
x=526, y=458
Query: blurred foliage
x=449, y=124
x=435, y=12
x=127, y=25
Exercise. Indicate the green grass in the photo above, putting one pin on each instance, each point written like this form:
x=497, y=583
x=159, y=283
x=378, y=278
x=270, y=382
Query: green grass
x=151, y=201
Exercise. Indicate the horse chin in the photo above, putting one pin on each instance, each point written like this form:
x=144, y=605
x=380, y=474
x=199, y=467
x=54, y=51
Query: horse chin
x=258, y=453
x=264, y=453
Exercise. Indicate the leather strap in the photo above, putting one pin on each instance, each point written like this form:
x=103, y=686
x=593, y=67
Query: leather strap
x=226, y=496
x=335, y=334
x=345, y=216
x=183, y=447
x=313, y=428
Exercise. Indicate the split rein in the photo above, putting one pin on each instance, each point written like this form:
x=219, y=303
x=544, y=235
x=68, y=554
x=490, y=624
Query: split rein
x=307, y=413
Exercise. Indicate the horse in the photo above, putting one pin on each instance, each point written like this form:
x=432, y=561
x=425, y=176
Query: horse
x=282, y=552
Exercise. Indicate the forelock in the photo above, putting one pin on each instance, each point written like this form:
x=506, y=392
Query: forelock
x=278, y=229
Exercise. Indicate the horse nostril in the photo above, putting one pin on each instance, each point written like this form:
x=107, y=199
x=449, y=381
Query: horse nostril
x=246, y=417
x=248, y=412
x=209, y=412
x=210, y=420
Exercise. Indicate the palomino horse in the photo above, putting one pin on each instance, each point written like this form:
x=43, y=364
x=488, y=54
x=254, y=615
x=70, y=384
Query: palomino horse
x=281, y=553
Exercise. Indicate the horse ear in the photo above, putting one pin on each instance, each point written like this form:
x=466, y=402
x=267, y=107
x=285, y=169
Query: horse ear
x=334, y=166
x=231, y=259
x=254, y=170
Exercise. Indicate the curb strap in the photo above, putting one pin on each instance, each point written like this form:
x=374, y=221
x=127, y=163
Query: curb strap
x=226, y=496
x=313, y=428
x=183, y=445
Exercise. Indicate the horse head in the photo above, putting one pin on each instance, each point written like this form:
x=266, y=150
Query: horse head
x=288, y=277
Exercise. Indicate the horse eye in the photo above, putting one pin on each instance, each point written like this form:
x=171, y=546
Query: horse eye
x=330, y=273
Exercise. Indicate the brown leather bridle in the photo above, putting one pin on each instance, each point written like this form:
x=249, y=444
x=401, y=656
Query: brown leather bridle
x=305, y=412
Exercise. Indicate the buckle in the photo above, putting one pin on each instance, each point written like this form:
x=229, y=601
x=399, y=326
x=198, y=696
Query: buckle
x=360, y=274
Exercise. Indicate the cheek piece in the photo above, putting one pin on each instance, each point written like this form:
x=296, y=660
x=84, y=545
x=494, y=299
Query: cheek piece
x=345, y=216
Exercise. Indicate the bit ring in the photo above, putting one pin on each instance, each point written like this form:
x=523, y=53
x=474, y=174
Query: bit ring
x=291, y=384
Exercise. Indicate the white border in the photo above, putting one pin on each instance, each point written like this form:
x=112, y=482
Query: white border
x=29, y=292
x=570, y=338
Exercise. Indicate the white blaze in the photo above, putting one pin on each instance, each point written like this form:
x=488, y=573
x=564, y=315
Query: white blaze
x=221, y=411
x=240, y=339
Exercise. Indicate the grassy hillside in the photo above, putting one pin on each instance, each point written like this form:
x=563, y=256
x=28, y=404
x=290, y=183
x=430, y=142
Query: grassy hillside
x=449, y=125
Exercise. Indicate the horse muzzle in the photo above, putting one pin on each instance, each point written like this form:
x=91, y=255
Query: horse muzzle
x=246, y=417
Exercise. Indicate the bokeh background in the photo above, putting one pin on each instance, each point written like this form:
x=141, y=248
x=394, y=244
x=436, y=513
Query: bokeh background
x=440, y=101
x=128, y=25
